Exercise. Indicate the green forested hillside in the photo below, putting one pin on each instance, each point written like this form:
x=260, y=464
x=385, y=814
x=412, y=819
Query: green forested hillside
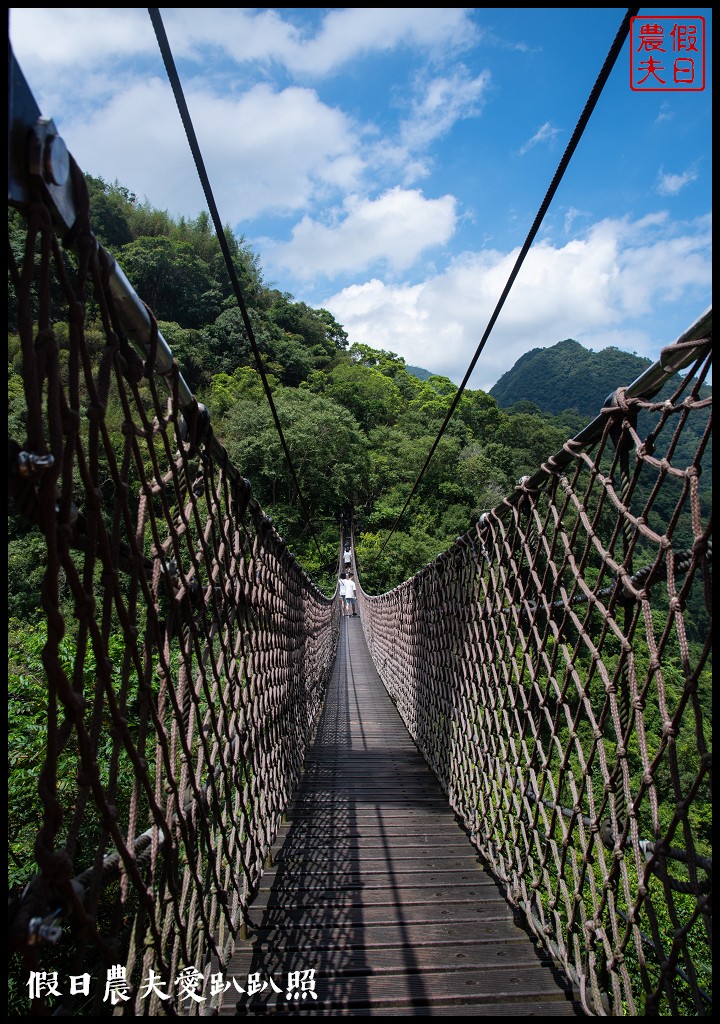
x=417, y=371
x=359, y=422
x=568, y=376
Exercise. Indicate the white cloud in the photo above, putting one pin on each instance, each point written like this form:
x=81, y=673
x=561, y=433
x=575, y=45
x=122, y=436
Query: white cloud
x=289, y=150
x=394, y=229
x=571, y=215
x=605, y=289
x=545, y=133
x=264, y=151
x=81, y=37
x=350, y=32
x=444, y=101
x=243, y=34
x=671, y=184
x=77, y=37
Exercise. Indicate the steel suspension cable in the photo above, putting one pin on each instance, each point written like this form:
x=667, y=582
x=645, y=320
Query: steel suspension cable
x=174, y=78
x=554, y=184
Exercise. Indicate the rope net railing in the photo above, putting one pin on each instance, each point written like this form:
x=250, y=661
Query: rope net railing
x=554, y=668
x=184, y=658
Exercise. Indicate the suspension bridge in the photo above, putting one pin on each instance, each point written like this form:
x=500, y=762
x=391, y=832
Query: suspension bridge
x=488, y=794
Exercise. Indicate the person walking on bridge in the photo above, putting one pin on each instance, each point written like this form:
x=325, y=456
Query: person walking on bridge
x=342, y=587
x=351, y=594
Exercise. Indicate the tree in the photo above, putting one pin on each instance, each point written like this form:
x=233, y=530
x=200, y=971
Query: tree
x=243, y=384
x=532, y=437
x=378, y=359
x=431, y=400
x=227, y=343
x=175, y=283
x=291, y=359
x=481, y=478
x=327, y=447
x=405, y=553
x=321, y=332
x=333, y=330
x=480, y=412
x=247, y=270
x=111, y=210
x=372, y=397
x=190, y=352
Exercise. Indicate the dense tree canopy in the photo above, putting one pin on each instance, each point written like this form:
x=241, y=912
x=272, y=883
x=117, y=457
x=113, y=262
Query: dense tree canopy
x=327, y=447
x=177, y=284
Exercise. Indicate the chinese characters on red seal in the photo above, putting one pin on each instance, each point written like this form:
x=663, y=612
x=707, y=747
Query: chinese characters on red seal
x=667, y=53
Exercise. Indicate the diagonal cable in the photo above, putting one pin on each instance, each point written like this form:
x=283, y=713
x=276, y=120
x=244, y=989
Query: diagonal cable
x=562, y=167
x=212, y=206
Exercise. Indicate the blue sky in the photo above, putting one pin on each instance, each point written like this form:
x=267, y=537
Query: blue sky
x=387, y=163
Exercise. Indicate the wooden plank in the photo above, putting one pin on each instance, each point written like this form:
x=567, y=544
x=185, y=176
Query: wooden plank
x=537, y=1008
x=484, y=986
x=391, y=960
x=472, y=915
x=408, y=895
x=342, y=933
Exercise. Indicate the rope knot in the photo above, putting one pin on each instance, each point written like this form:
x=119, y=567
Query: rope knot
x=131, y=365
x=619, y=400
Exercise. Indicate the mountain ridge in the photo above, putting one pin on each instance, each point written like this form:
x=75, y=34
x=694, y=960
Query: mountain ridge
x=567, y=376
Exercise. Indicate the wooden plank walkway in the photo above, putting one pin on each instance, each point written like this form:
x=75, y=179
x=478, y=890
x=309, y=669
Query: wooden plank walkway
x=376, y=887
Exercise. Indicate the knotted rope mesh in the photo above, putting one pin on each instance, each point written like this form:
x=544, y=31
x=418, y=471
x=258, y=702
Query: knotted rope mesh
x=185, y=658
x=554, y=668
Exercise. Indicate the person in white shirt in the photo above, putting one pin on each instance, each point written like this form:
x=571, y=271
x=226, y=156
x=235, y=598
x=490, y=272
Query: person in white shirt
x=350, y=595
x=347, y=557
x=342, y=587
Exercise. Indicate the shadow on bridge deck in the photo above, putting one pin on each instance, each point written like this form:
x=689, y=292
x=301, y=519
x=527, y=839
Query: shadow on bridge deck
x=377, y=889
